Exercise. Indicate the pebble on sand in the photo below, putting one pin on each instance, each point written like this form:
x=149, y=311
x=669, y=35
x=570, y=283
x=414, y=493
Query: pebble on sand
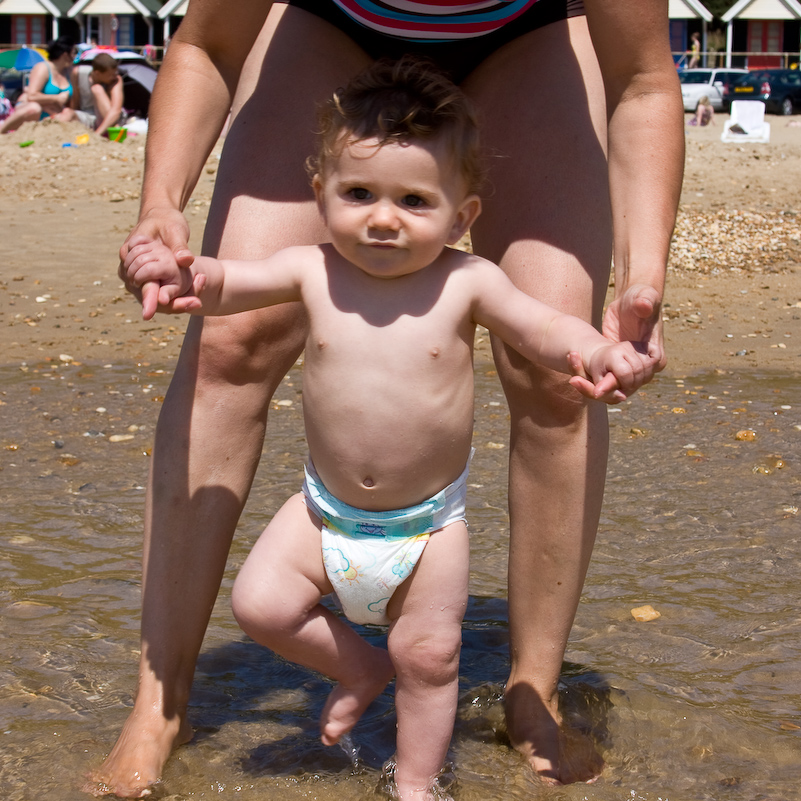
x=644, y=614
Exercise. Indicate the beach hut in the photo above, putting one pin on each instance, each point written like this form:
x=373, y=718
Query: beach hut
x=172, y=8
x=759, y=33
x=687, y=17
x=31, y=22
x=118, y=23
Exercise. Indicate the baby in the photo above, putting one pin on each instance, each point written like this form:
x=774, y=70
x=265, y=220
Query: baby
x=387, y=401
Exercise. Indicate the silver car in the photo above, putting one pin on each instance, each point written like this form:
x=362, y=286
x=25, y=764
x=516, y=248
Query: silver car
x=714, y=83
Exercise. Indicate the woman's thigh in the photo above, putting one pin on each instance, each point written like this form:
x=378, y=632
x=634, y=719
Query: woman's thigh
x=263, y=199
x=546, y=216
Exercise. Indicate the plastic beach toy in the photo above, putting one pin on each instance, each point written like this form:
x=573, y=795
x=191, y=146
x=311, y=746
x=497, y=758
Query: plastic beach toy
x=117, y=134
x=83, y=139
x=26, y=144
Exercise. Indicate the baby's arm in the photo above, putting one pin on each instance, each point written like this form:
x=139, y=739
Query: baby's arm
x=214, y=286
x=601, y=369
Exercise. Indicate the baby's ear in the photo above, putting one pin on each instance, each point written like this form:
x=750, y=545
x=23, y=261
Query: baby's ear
x=317, y=186
x=465, y=217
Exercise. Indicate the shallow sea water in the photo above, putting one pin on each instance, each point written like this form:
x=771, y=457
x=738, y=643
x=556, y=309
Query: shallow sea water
x=702, y=703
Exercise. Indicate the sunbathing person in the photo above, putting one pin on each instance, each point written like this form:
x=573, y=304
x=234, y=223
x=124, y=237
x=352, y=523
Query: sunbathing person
x=97, y=93
x=49, y=89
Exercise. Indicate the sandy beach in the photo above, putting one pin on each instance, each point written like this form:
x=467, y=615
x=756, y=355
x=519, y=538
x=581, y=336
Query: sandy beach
x=734, y=285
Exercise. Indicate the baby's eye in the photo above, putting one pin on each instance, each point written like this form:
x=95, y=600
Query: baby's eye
x=357, y=193
x=413, y=201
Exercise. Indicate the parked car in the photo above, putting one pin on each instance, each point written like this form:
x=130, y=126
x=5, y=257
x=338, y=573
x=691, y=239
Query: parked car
x=779, y=90
x=716, y=84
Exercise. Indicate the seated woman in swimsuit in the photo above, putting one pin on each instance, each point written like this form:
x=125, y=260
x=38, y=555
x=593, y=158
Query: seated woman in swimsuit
x=49, y=89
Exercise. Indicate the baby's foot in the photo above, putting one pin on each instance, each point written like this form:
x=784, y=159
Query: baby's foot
x=348, y=700
x=405, y=790
x=136, y=761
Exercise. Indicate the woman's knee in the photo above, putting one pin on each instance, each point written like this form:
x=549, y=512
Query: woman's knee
x=536, y=394
x=31, y=112
x=254, y=347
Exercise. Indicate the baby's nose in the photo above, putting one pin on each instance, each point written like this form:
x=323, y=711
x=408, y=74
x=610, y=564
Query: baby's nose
x=384, y=216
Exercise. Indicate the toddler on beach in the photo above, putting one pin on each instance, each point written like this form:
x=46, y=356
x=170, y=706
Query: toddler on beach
x=387, y=401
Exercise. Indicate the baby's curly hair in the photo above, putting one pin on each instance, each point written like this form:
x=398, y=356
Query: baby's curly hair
x=401, y=101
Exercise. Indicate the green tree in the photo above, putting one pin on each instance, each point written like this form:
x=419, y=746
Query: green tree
x=718, y=7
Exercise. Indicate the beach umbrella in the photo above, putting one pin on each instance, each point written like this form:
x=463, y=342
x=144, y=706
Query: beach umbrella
x=138, y=81
x=87, y=55
x=23, y=58
x=140, y=73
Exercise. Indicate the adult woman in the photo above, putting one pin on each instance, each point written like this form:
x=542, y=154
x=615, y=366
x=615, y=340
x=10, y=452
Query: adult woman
x=548, y=224
x=695, y=51
x=49, y=89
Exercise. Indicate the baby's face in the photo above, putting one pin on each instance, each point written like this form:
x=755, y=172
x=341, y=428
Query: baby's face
x=391, y=210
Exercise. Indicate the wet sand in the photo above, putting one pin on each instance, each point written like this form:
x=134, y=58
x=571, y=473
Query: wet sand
x=699, y=522
x=733, y=293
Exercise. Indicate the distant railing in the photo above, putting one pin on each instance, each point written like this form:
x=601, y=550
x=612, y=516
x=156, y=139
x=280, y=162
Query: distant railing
x=153, y=53
x=742, y=60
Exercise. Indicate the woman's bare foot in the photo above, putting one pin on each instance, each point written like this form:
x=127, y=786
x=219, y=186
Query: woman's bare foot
x=136, y=761
x=556, y=753
x=348, y=700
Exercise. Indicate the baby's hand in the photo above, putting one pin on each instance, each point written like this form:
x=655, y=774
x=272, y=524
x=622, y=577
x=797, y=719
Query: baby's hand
x=613, y=373
x=152, y=262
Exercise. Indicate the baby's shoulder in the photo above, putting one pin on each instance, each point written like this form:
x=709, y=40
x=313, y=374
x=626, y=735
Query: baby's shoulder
x=472, y=269
x=461, y=259
x=299, y=259
x=303, y=253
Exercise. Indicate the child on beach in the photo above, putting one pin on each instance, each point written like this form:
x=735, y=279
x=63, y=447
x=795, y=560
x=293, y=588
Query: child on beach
x=704, y=113
x=387, y=401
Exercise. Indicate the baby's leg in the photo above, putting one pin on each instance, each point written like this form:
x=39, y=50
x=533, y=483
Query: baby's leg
x=276, y=600
x=424, y=642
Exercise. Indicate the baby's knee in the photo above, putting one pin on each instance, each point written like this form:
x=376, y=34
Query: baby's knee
x=432, y=657
x=257, y=611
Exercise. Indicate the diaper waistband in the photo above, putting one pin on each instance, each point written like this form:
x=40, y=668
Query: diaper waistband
x=427, y=516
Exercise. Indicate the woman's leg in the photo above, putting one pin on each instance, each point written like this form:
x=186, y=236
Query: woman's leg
x=547, y=222
x=276, y=601
x=29, y=112
x=209, y=435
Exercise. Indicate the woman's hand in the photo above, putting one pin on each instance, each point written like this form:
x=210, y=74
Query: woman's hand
x=167, y=227
x=636, y=316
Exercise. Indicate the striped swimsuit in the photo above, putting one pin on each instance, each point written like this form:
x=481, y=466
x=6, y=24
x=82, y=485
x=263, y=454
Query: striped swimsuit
x=456, y=34
x=435, y=21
